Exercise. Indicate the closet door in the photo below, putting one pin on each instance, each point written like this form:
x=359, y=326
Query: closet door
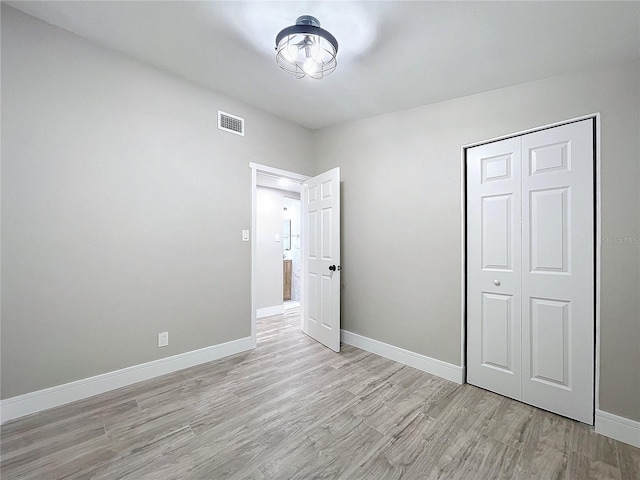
x=493, y=267
x=558, y=270
x=530, y=268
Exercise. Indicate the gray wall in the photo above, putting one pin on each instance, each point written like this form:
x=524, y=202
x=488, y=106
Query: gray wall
x=122, y=208
x=401, y=214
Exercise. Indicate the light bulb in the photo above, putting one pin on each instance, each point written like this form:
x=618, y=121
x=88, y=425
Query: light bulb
x=310, y=66
x=314, y=50
x=289, y=51
x=311, y=51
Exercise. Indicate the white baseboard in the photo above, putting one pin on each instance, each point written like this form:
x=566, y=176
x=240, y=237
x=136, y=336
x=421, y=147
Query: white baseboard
x=33, y=402
x=291, y=304
x=618, y=428
x=406, y=357
x=270, y=311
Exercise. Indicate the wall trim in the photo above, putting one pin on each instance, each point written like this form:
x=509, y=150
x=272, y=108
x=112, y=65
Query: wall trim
x=619, y=428
x=269, y=311
x=430, y=365
x=37, y=401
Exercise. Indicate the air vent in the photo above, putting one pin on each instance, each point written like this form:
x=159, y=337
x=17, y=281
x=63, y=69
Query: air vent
x=230, y=123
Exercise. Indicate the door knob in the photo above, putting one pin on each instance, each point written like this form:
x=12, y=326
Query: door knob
x=496, y=283
x=332, y=268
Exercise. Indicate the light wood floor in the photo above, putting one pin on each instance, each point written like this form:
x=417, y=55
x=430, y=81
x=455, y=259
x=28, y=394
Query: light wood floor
x=294, y=409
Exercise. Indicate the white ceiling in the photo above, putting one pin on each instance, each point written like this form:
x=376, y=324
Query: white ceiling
x=392, y=56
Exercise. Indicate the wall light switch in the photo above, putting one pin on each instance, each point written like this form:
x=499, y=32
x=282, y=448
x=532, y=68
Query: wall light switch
x=277, y=237
x=245, y=235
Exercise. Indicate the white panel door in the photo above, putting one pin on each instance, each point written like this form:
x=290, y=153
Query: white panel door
x=493, y=266
x=321, y=258
x=558, y=270
x=530, y=268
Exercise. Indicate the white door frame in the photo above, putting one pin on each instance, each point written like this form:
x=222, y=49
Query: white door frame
x=275, y=172
x=598, y=242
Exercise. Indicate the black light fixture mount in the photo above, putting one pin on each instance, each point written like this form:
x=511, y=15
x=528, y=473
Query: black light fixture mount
x=306, y=50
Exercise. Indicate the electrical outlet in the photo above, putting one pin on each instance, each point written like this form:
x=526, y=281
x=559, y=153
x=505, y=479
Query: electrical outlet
x=163, y=339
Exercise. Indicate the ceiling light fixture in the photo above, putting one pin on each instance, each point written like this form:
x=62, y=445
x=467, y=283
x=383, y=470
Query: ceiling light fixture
x=306, y=50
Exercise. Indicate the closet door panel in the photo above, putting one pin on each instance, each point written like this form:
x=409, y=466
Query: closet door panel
x=493, y=267
x=558, y=270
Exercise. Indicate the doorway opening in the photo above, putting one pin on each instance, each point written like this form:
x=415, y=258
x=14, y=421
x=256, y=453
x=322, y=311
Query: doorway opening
x=276, y=261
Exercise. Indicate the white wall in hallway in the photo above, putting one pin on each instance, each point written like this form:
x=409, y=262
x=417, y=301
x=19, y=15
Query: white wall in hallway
x=269, y=252
x=293, y=254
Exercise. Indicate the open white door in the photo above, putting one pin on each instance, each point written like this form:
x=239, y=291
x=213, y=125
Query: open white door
x=321, y=258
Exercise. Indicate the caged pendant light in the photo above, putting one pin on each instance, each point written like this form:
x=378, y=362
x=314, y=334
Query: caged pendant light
x=306, y=50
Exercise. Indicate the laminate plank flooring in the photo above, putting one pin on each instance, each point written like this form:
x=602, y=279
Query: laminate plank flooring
x=293, y=409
